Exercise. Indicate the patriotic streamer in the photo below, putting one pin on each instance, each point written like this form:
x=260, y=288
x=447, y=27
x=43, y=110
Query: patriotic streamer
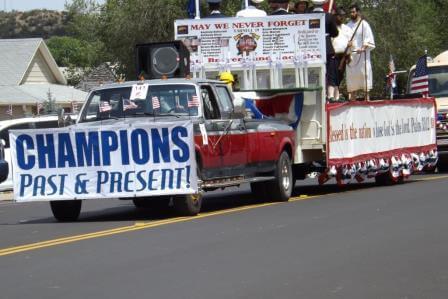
x=397, y=167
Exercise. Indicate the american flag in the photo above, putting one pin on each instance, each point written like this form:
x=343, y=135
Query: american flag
x=9, y=110
x=129, y=105
x=105, y=106
x=419, y=83
x=155, y=103
x=194, y=102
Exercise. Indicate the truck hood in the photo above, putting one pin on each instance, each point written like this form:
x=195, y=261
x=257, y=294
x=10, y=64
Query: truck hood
x=132, y=120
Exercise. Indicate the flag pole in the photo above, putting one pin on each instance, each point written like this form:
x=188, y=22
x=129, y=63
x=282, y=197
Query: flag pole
x=330, y=7
x=246, y=3
x=366, y=78
x=198, y=11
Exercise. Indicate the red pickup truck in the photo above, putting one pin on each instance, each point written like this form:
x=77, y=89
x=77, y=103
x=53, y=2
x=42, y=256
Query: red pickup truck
x=230, y=150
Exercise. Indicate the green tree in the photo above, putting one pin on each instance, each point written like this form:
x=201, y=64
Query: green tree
x=78, y=56
x=402, y=28
x=119, y=25
x=127, y=23
x=70, y=51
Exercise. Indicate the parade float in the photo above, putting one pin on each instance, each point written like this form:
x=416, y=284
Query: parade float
x=280, y=65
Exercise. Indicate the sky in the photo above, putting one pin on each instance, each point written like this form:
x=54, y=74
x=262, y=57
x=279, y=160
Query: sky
x=23, y=5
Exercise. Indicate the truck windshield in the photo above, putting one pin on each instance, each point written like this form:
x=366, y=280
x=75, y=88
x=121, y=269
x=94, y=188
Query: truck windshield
x=438, y=81
x=167, y=99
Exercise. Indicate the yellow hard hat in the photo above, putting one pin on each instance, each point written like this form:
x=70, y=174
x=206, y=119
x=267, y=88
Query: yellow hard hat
x=226, y=77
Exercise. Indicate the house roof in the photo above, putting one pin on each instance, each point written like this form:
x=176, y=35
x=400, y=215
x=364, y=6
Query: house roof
x=100, y=75
x=16, y=56
x=32, y=93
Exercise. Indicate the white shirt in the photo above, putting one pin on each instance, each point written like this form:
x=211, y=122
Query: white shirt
x=251, y=11
x=340, y=42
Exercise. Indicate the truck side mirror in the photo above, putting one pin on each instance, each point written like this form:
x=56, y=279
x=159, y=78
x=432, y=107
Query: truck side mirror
x=64, y=120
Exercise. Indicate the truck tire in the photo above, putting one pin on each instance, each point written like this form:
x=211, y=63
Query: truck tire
x=280, y=189
x=259, y=191
x=151, y=203
x=188, y=205
x=66, y=210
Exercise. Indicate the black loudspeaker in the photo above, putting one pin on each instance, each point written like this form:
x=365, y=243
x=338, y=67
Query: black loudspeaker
x=167, y=59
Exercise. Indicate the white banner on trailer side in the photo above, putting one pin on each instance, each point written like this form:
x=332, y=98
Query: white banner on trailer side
x=362, y=131
x=232, y=42
x=88, y=162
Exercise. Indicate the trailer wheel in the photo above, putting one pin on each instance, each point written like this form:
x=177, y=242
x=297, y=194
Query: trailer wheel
x=385, y=179
x=442, y=166
x=280, y=188
x=66, y=210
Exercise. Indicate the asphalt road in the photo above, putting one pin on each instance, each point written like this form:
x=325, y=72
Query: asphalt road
x=360, y=242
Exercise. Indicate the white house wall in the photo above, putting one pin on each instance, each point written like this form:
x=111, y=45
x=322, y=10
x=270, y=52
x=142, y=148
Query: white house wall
x=39, y=72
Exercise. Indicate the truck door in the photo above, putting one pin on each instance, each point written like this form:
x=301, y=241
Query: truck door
x=212, y=152
x=234, y=147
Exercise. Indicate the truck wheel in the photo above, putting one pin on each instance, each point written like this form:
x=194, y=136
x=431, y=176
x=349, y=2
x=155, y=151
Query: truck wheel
x=151, y=203
x=66, y=210
x=188, y=205
x=280, y=189
x=259, y=190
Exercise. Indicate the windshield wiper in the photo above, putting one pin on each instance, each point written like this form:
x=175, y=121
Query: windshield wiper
x=140, y=114
x=110, y=117
x=169, y=114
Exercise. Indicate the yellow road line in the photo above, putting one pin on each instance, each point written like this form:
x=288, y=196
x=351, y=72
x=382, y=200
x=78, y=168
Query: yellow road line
x=145, y=225
x=432, y=178
x=137, y=226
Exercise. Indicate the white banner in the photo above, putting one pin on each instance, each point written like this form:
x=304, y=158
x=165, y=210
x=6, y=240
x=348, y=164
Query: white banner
x=261, y=41
x=369, y=130
x=87, y=162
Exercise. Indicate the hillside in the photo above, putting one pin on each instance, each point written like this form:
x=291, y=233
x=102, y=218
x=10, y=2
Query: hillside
x=34, y=23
